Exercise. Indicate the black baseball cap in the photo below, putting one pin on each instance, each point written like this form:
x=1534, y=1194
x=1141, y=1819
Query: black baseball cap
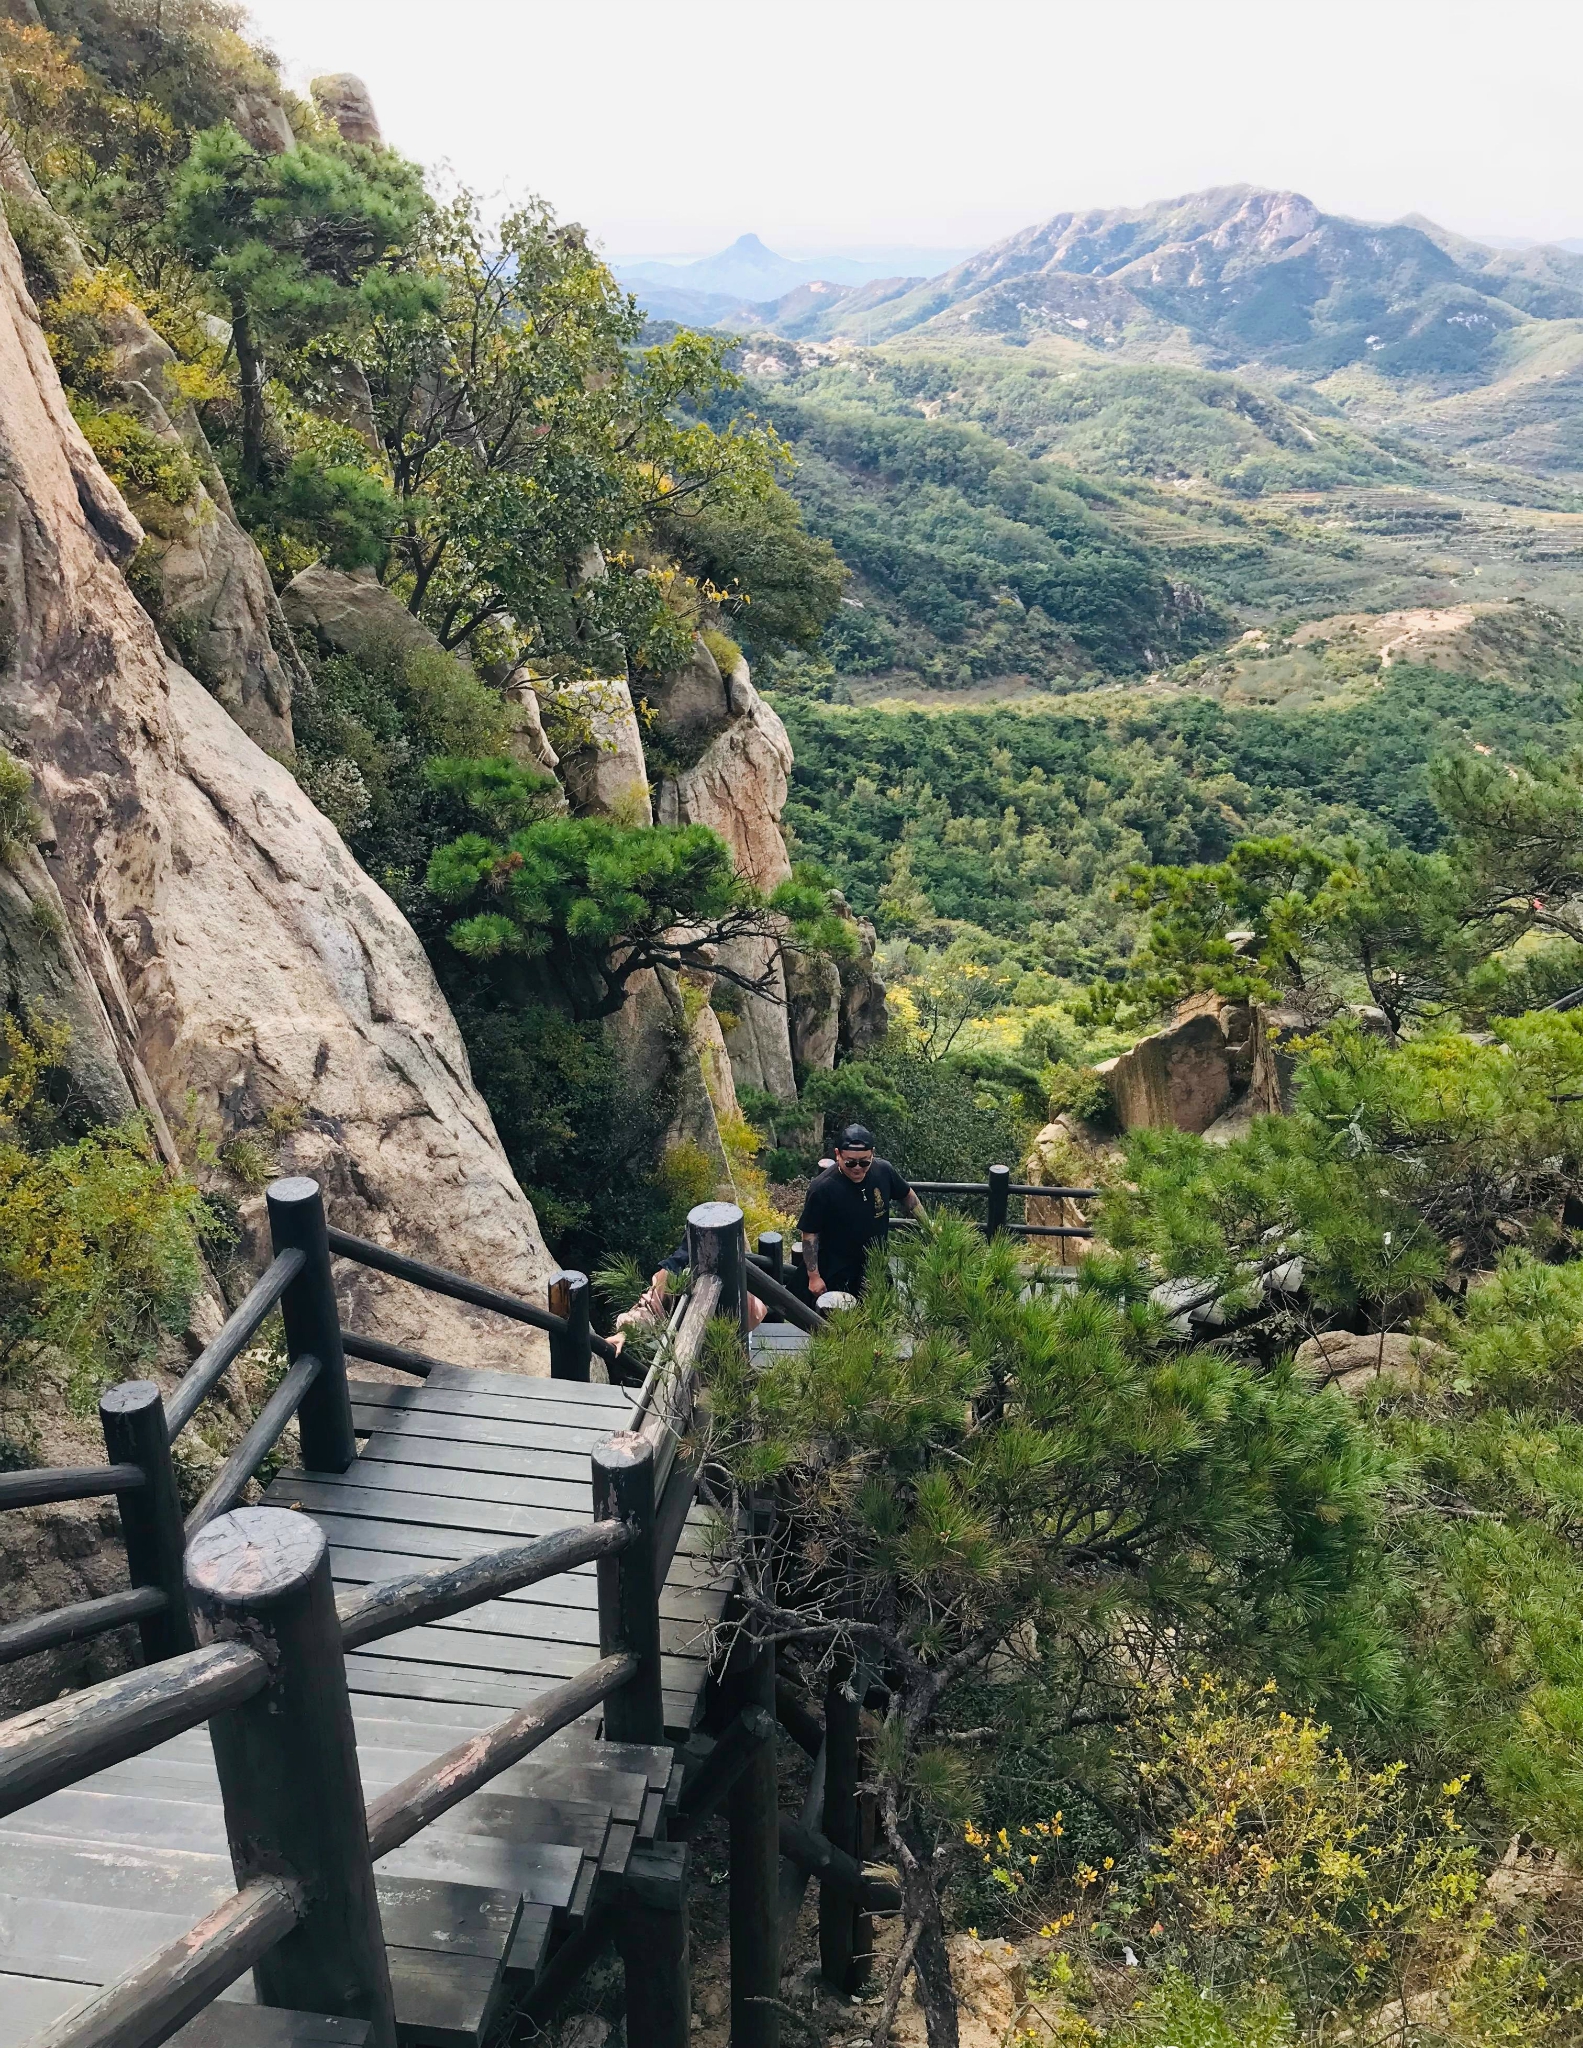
x=855, y=1139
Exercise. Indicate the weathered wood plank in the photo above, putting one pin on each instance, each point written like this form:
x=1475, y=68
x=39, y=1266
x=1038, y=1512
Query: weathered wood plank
x=29, y=2004
x=443, y=2001
x=267, y=2026
x=543, y=1873
x=565, y=1497
x=568, y=1593
x=528, y=1950
x=521, y=1461
x=390, y=1678
x=509, y=1432
x=559, y=1405
x=524, y=1386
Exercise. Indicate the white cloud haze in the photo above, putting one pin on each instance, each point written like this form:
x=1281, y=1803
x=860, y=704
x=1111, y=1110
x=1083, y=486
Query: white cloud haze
x=843, y=122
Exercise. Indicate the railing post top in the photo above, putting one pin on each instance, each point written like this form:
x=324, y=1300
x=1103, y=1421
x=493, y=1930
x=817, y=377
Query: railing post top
x=130, y=1397
x=715, y=1216
x=252, y=1557
x=768, y=1237
x=996, y=1171
x=291, y=1189
x=626, y=1451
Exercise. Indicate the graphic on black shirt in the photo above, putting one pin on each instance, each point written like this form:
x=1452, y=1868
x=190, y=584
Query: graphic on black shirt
x=847, y=1216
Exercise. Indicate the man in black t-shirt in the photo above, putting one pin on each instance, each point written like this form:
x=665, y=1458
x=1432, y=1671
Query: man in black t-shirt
x=846, y=1208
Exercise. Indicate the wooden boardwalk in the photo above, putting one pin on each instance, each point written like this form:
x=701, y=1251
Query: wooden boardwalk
x=95, y=1877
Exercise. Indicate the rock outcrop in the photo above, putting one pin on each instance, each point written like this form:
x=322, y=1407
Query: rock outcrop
x=242, y=961
x=596, y=735
x=688, y=709
x=345, y=103
x=738, y=786
x=1188, y=1074
x=198, y=575
x=1354, y=1364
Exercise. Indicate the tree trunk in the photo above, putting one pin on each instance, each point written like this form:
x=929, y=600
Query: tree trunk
x=250, y=372
x=920, y=1903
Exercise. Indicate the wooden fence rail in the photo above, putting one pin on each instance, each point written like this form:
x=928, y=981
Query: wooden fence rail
x=255, y=1645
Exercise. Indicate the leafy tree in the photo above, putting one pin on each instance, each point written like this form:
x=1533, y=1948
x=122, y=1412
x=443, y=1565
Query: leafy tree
x=297, y=245
x=966, y=1472
x=530, y=445
x=597, y=901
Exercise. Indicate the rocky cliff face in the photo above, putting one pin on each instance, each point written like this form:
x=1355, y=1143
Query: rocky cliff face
x=215, y=946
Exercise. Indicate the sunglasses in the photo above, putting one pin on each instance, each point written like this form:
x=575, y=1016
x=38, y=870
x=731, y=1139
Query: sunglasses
x=864, y=1160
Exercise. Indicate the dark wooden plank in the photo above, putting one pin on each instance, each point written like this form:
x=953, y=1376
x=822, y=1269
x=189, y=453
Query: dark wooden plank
x=569, y=1629
x=528, y=1950
x=531, y=1659
x=521, y=1461
x=544, y=1873
x=86, y=1872
x=441, y=1482
x=583, y=1896
x=268, y=2026
x=297, y=1490
x=451, y=1919
x=443, y=2001
x=653, y=1811
x=87, y=1944
x=508, y=1432
x=392, y=1678
x=29, y=2004
x=570, y=1591
x=560, y=1407
x=618, y=1847
x=122, y=1817
x=569, y=1439
x=527, y=1386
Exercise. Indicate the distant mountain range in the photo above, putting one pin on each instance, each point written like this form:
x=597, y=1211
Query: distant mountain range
x=747, y=279
x=1222, y=279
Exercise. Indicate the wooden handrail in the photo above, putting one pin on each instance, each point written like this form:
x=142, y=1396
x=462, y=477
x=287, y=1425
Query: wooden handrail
x=75, y=1624
x=377, y=1352
x=49, y=1484
x=71, y=1738
x=237, y=1332
x=397, y=1815
x=438, y=1280
x=770, y=1291
x=231, y=1481
x=421, y=1597
x=167, y=1989
x=1016, y=1187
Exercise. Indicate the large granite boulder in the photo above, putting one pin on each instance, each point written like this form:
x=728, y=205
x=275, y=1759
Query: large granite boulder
x=594, y=729
x=813, y=994
x=690, y=707
x=345, y=103
x=352, y=614
x=244, y=963
x=865, y=1016
x=1188, y=1074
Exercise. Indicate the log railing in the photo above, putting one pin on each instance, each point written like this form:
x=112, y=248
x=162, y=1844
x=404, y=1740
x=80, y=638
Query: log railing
x=263, y=1660
x=997, y=1190
x=139, y=1429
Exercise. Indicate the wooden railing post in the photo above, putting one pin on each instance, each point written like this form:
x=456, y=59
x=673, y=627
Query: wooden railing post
x=717, y=1243
x=313, y=1323
x=652, y=1934
x=571, y=1350
x=287, y=1760
x=999, y=1201
x=772, y=1247
x=132, y=1416
x=755, y=1877
x=838, y=1909
x=629, y=1600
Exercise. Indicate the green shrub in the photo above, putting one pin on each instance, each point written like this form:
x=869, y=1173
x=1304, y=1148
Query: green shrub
x=98, y=1240
x=19, y=822
x=138, y=462
x=724, y=649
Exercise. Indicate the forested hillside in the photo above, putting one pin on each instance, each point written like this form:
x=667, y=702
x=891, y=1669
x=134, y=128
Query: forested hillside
x=1165, y=648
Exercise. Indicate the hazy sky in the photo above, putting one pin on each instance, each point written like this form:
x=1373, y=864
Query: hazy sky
x=844, y=122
